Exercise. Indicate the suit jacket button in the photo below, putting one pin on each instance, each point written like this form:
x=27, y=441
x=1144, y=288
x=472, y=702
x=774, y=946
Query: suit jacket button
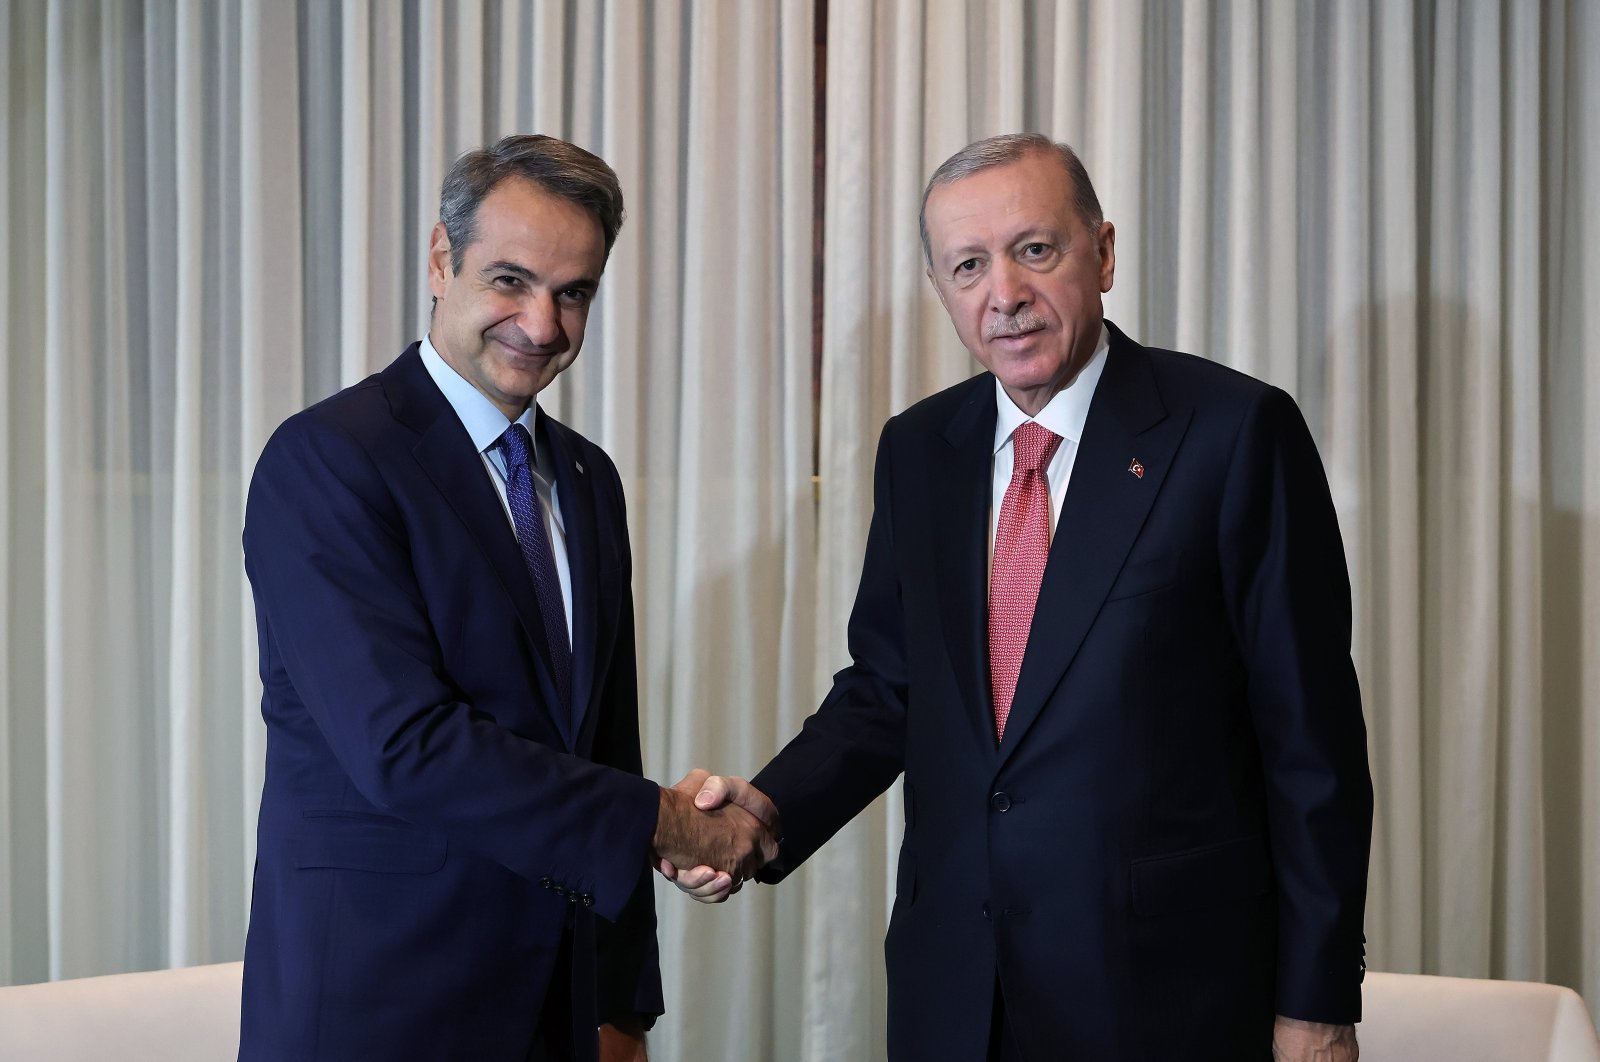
x=986, y=914
x=1000, y=802
x=588, y=901
x=544, y=883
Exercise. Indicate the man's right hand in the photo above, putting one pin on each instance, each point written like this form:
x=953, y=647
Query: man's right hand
x=705, y=882
x=725, y=841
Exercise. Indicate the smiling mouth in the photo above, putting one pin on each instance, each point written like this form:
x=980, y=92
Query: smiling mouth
x=521, y=353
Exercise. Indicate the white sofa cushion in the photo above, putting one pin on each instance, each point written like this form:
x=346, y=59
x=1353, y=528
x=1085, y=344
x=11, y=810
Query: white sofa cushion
x=187, y=1015
x=1416, y=1018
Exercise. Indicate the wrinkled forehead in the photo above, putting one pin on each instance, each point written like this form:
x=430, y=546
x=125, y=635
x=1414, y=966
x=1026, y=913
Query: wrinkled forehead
x=1000, y=204
x=522, y=219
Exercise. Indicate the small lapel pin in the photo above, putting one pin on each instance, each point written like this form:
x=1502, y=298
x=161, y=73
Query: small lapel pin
x=580, y=466
x=1136, y=468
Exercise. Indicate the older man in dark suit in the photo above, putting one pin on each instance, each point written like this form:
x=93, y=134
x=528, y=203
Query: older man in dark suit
x=1104, y=630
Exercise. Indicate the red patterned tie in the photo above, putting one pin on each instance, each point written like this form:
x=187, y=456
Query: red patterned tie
x=1021, y=545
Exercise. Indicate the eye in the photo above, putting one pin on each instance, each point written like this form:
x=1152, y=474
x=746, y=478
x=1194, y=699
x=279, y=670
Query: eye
x=1035, y=250
x=576, y=297
x=966, y=267
x=508, y=281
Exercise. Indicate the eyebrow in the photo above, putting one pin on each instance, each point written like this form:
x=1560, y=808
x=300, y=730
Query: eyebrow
x=1039, y=234
x=506, y=266
x=962, y=252
x=1042, y=234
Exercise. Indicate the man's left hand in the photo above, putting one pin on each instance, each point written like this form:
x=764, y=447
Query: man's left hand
x=1294, y=1040
x=622, y=1045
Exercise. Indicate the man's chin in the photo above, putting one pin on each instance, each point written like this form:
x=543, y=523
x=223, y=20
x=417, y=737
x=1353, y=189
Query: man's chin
x=532, y=375
x=1033, y=378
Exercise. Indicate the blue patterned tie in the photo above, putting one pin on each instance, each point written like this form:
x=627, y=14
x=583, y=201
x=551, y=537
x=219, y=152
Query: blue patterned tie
x=528, y=517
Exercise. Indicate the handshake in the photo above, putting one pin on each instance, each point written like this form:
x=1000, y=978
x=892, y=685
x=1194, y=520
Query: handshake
x=713, y=833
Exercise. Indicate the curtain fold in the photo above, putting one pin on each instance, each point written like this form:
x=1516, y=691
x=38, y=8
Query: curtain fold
x=730, y=658
x=7, y=231
x=270, y=307
x=216, y=213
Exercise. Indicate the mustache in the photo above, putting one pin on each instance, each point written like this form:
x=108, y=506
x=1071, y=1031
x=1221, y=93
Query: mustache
x=1024, y=320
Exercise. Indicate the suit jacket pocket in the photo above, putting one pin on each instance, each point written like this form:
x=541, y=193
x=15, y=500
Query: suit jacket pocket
x=337, y=840
x=1146, y=576
x=1202, y=877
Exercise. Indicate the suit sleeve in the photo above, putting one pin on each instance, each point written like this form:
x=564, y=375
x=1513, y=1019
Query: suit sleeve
x=853, y=747
x=1288, y=596
x=327, y=554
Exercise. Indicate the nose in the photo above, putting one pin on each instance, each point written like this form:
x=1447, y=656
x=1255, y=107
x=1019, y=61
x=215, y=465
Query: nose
x=540, y=320
x=1009, y=290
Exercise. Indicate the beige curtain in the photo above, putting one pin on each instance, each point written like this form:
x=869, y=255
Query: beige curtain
x=1380, y=207
x=215, y=213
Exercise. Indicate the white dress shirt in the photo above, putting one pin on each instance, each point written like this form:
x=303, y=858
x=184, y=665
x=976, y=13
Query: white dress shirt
x=485, y=424
x=1065, y=415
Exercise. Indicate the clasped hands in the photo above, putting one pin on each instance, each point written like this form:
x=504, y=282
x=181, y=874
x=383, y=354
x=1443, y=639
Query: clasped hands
x=713, y=834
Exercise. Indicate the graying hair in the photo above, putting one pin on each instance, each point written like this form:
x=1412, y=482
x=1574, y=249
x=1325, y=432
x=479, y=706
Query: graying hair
x=564, y=170
x=1002, y=151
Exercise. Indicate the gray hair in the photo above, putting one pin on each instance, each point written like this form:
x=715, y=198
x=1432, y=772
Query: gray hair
x=564, y=170
x=1002, y=151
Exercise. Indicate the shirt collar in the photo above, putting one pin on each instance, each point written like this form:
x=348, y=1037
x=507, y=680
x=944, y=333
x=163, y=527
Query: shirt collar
x=481, y=417
x=1065, y=413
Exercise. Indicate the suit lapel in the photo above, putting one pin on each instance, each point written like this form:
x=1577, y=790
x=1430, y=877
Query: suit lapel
x=576, y=499
x=959, y=496
x=447, y=456
x=1104, y=509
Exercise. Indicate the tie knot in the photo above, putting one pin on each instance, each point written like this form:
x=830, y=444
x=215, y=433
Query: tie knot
x=517, y=445
x=1031, y=446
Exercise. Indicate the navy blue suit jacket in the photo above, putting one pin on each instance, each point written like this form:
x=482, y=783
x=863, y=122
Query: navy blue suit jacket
x=432, y=823
x=1170, y=844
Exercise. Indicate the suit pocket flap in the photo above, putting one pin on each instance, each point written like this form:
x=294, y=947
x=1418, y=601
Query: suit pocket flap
x=1145, y=576
x=1202, y=877
x=352, y=844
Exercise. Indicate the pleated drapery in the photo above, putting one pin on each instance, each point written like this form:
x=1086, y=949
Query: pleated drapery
x=216, y=213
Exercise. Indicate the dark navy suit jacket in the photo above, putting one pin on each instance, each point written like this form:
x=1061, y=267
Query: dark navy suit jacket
x=1170, y=844
x=432, y=824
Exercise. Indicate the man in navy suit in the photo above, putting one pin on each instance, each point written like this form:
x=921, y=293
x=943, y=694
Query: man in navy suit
x=1104, y=630
x=455, y=840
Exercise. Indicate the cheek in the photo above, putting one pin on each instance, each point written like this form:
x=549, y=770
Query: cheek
x=1076, y=292
x=967, y=310
x=573, y=322
x=457, y=323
